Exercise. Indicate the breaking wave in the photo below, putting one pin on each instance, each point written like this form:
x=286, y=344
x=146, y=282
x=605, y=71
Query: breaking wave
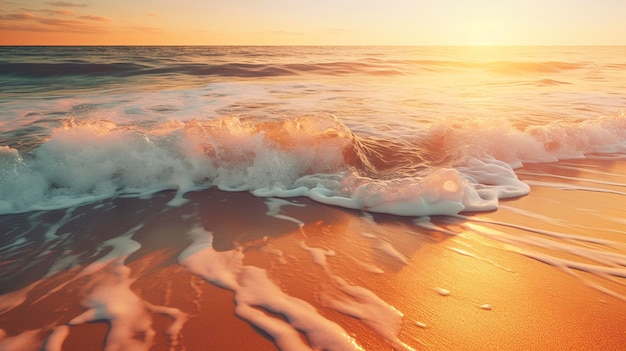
x=452, y=166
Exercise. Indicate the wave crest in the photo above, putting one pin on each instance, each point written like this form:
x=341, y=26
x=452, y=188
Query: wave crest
x=98, y=159
x=453, y=165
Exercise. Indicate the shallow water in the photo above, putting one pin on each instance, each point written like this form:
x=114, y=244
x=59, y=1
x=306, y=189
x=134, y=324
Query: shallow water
x=140, y=119
x=116, y=162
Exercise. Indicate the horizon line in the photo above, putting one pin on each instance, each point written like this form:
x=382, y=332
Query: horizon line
x=313, y=45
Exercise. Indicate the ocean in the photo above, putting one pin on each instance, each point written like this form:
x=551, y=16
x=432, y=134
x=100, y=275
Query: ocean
x=308, y=187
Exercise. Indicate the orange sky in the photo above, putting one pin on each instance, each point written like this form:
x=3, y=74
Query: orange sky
x=313, y=22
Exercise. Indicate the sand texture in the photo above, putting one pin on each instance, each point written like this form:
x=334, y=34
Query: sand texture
x=230, y=271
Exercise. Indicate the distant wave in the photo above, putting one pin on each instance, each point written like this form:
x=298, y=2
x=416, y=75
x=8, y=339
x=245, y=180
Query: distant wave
x=532, y=67
x=48, y=70
x=366, y=66
x=501, y=67
x=45, y=70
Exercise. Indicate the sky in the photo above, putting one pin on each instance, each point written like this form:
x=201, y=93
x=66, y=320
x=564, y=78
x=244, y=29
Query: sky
x=313, y=22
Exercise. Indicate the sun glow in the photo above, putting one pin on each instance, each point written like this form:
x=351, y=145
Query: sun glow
x=484, y=33
x=323, y=22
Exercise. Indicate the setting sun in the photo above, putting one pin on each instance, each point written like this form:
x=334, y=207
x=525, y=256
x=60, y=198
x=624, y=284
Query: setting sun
x=483, y=33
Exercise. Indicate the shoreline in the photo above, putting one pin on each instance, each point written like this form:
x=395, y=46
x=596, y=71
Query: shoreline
x=487, y=287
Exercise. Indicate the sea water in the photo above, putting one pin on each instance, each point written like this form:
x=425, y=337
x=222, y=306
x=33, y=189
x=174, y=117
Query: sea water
x=410, y=131
x=407, y=131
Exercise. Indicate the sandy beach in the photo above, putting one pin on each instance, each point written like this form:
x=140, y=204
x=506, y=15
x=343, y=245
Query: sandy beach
x=502, y=280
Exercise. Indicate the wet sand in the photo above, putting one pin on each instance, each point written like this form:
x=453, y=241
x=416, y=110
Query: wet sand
x=490, y=281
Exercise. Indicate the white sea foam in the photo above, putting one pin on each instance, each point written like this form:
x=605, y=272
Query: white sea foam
x=313, y=156
x=554, y=140
x=25, y=341
x=109, y=298
x=442, y=291
x=274, y=206
x=372, y=310
x=56, y=338
x=254, y=289
x=361, y=303
x=112, y=299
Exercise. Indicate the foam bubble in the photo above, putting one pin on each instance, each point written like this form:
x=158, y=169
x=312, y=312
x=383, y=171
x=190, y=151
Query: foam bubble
x=442, y=291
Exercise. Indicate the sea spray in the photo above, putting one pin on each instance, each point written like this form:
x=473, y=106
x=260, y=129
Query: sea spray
x=312, y=156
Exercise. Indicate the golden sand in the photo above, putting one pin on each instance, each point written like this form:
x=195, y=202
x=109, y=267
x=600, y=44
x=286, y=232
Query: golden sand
x=475, y=290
